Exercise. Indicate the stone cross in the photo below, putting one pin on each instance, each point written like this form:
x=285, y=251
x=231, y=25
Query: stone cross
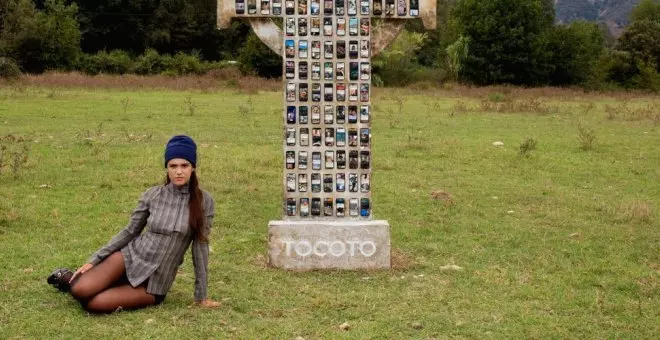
x=327, y=46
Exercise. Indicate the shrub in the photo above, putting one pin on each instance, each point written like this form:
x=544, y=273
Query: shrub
x=42, y=40
x=151, y=63
x=433, y=76
x=647, y=78
x=528, y=145
x=576, y=49
x=9, y=69
x=182, y=64
x=256, y=58
x=615, y=66
x=115, y=62
x=587, y=137
x=397, y=65
x=642, y=40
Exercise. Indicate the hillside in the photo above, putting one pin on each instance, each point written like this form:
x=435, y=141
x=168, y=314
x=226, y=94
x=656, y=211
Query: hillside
x=613, y=13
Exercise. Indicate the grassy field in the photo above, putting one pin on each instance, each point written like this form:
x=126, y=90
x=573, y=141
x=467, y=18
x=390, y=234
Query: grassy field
x=560, y=240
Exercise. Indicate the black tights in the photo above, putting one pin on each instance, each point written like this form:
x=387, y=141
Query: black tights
x=105, y=289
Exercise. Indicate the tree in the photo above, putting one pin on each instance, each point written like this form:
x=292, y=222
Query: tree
x=111, y=24
x=642, y=40
x=638, y=62
x=433, y=52
x=17, y=16
x=456, y=54
x=42, y=40
x=575, y=48
x=397, y=64
x=646, y=10
x=507, y=38
x=256, y=58
x=168, y=26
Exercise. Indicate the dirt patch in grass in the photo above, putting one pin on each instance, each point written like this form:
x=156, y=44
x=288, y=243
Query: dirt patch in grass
x=400, y=260
x=636, y=211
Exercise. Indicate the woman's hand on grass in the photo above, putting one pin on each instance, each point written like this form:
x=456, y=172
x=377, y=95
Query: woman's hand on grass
x=81, y=270
x=208, y=303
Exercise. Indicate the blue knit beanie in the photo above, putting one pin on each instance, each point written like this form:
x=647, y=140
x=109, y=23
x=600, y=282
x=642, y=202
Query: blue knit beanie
x=181, y=147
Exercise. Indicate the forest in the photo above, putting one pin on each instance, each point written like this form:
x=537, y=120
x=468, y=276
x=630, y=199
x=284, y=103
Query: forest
x=478, y=42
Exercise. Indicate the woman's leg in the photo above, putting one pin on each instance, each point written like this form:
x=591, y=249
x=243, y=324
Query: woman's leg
x=104, y=288
x=99, y=278
x=120, y=298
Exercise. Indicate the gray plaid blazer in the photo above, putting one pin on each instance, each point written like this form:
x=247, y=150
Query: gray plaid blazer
x=157, y=253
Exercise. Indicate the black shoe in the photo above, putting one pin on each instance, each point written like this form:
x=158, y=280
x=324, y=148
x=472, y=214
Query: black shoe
x=60, y=279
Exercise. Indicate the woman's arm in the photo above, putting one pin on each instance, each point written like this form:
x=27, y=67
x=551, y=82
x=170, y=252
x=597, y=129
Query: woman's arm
x=200, y=252
x=135, y=226
x=200, y=255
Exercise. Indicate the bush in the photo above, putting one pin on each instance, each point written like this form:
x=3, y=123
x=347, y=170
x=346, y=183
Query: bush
x=575, y=50
x=183, y=64
x=397, y=65
x=41, y=40
x=115, y=62
x=60, y=42
x=507, y=41
x=9, y=69
x=256, y=58
x=642, y=40
x=430, y=75
x=616, y=67
x=647, y=78
x=151, y=63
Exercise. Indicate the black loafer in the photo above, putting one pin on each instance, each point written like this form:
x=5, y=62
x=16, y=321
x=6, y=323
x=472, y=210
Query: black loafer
x=57, y=279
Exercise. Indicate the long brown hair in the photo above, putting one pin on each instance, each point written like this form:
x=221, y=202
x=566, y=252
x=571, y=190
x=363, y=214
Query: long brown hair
x=195, y=211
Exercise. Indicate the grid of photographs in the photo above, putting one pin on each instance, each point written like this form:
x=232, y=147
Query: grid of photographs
x=374, y=8
x=327, y=110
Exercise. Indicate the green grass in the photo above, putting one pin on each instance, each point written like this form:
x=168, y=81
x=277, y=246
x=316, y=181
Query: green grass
x=558, y=243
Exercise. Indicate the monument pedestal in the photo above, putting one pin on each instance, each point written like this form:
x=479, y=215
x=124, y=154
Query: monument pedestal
x=307, y=245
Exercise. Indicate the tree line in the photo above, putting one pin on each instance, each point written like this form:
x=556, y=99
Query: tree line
x=479, y=42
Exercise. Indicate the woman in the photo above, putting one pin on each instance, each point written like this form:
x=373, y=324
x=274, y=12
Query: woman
x=136, y=269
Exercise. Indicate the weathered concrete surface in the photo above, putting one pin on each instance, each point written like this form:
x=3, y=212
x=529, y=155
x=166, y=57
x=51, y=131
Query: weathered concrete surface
x=307, y=245
x=383, y=33
x=225, y=10
x=427, y=12
x=269, y=33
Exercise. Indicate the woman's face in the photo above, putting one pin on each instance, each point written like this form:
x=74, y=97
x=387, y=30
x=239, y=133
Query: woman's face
x=179, y=171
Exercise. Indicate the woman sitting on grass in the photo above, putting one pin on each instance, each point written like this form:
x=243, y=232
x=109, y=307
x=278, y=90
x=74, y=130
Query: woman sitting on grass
x=135, y=269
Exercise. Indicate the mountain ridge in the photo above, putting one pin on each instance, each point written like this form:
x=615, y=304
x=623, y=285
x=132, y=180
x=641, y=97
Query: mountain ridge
x=614, y=14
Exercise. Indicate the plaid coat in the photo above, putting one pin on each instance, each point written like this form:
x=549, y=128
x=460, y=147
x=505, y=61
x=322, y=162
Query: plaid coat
x=157, y=253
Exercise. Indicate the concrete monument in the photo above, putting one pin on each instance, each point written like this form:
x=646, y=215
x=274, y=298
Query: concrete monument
x=327, y=46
